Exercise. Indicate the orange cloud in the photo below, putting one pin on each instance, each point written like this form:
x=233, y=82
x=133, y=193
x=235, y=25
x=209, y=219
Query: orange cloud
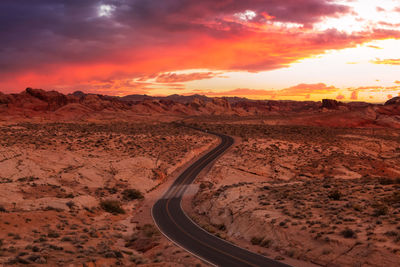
x=306, y=89
x=300, y=90
x=242, y=51
x=186, y=77
x=354, y=95
x=386, y=61
x=374, y=88
x=340, y=97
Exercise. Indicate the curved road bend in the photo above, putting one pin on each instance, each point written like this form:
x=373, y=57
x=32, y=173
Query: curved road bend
x=175, y=224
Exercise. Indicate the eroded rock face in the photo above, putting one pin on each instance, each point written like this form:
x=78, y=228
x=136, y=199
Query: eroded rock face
x=221, y=102
x=197, y=103
x=52, y=105
x=54, y=99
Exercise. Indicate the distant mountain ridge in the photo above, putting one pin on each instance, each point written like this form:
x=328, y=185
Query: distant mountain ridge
x=79, y=105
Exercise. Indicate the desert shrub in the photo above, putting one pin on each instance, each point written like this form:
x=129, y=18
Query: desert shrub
x=53, y=234
x=221, y=227
x=380, y=210
x=392, y=233
x=70, y=204
x=49, y=208
x=149, y=230
x=389, y=181
x=112, y=206
x=335, y=195
x=131, y=194
x=27, y=179
x=357, y=207
x=5, y=180
x=266, y=243
x=66, y=239
x=393, y=199
x=2, y=209
x=326, y=251
x=256, y=240
x=348, y=233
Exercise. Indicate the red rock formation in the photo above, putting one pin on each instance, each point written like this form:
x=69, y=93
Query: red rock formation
x=330, y=104
x=54, y=105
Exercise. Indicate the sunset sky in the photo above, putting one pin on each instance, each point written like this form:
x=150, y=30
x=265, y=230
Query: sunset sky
x=261, y=49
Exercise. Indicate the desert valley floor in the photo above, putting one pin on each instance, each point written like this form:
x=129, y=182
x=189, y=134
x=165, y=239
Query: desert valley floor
x=318, y=188
x=81, y=192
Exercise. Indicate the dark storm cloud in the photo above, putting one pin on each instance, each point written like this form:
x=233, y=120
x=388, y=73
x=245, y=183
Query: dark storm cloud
x=40, y=32
x=306, y=11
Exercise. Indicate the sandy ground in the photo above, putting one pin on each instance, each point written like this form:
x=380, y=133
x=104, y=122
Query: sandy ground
x=73, y=194
x=80, y=194
x=324, y=196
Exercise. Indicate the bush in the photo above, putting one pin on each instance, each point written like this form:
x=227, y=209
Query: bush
x=388, y=181
x=112, y=206
x=393, y=199
x=380, y=210
x=2, y=209
x=53, y=234
x=266, y=243
x=335, y=195
x=256, y=240
x=149, y=230
x=348, y=233
x=131, y=194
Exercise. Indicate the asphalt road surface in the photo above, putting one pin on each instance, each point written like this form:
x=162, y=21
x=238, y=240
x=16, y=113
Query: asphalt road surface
x=179, y=228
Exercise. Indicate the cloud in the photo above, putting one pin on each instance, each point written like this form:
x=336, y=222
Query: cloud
x=398, y=82
x=306, y=89
x=185, y=77
x=394, y=61
x=340, y=97
x=240, y=92
x=72, y=42
x=374, y=88
x=300, y=90
x=112, y=87
x=354, y=95
x=374, y=46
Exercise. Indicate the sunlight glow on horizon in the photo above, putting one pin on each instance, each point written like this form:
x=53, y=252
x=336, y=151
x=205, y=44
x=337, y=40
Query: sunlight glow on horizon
x=344, y=49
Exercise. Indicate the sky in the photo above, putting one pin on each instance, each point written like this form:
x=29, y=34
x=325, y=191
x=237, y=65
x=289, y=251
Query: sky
x=261, y=49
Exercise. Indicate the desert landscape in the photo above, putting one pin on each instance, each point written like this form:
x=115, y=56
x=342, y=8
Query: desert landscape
x=79, y=193
x=303, y=183
x=329, y=196
x=190, y=133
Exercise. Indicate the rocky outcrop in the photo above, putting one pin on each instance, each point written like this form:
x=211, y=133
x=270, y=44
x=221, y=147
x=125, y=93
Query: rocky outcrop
x=54, y=99
x=330, y=104
x=393, y=101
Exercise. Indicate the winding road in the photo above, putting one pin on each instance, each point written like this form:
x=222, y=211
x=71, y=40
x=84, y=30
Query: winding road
x=179, y=228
